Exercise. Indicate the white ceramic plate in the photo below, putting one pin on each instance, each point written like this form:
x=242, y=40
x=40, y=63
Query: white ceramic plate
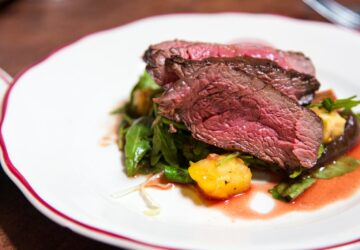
x=57, y=111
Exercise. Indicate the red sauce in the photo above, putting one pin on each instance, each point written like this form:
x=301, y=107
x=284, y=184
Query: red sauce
x=322, y=193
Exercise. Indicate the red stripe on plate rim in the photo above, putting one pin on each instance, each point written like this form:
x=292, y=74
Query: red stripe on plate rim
x=33, y=196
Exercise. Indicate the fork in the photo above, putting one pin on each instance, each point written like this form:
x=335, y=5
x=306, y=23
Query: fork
x=335, y=12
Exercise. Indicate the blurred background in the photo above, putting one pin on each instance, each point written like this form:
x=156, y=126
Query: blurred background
x=31, y=29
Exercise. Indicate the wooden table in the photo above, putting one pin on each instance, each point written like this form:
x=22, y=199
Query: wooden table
x=29, y=30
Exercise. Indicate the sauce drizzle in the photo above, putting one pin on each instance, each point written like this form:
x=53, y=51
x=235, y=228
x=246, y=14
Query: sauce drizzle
x=322, y=193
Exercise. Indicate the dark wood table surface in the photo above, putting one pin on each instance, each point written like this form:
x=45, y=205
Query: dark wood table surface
x=30, y=29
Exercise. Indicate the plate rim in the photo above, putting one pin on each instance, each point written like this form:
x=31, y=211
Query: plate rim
x=64, y=220
x=5, y=77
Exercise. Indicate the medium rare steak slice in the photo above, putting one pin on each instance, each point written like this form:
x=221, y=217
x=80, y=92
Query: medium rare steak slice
x=224, y=106
x=156, y=54
x=298, y=86
x=298, y=62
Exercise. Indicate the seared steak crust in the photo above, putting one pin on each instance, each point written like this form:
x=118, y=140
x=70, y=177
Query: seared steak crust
x=295, y=85
x=156, y=55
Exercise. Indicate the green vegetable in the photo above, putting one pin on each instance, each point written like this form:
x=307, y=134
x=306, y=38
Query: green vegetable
x=248, y=159
x=187, y=150
x=254, y=162
x=156, y=148
x=164, y=142
x=321, y=150
x=118, y=110
x=176, y=174
x=144, y=167
x=228, y=157
x=330, y=105
x=176, y=124
x=121, y=134
x=288, y=191
x=343, y=165
x=197, y=150
x=295, y=173
x=140, y=103
x=190, y=149
x=124, y=114
x=137, y=143
x=146, y=82
x=150, y=147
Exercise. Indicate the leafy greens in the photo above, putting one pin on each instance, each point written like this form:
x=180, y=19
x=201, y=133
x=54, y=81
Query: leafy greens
x=137, y=143
x=153, y=143
x=346, y=103
x=149, y=143
x=341, y=166
x=288, y=190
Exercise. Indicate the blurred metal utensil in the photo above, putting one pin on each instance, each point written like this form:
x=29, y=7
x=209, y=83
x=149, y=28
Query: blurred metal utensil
x=335, y=12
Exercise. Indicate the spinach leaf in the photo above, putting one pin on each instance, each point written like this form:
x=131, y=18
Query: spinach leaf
x=123, y=111
x=140, y=103
x=254, y=162
x=121, y=134
x=156, y=147
x=146, y=82
x=288, y=191
x=164, y=142
x=144, y=167
x=291, y=189
x=200, y=149
x=321, y=150
x=176, y=174
x=341, y=166
x=194, y=150
x=228, y=158
x=119, y=110
x=176, y=124
x=137, y=143
x=346, y=103
x=296, y=173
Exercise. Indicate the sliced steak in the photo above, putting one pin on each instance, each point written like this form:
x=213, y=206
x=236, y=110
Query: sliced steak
x=298, y=61
x=298, y=86
x=156, y=54
x=222, y=105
